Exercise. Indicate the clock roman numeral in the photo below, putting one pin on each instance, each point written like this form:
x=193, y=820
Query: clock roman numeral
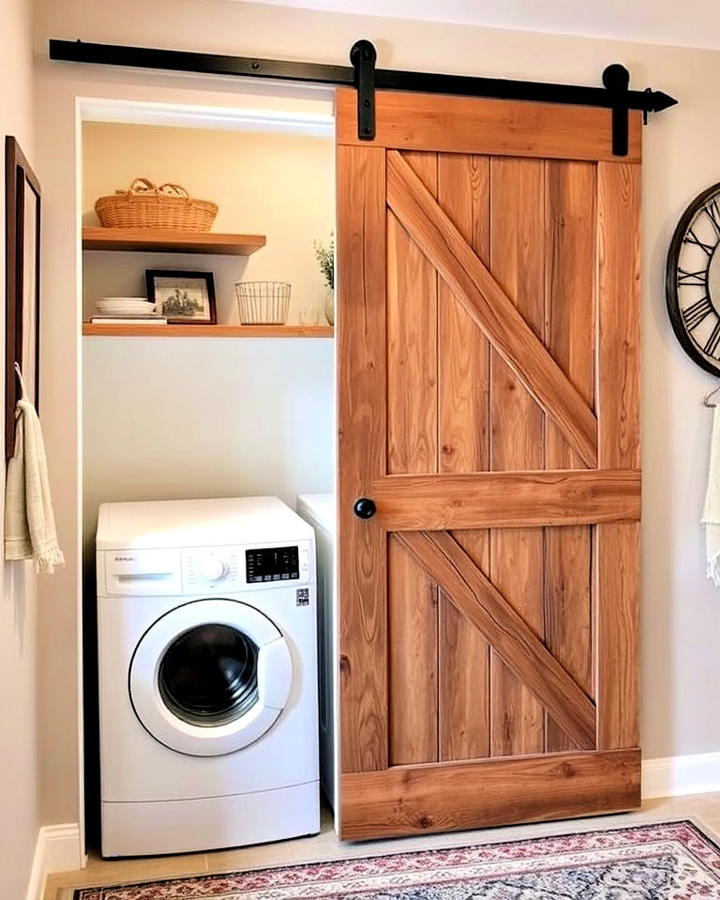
x=712, y=211
x=692, y=238
x=697, y=312
x=712, y=342
x=694, y=278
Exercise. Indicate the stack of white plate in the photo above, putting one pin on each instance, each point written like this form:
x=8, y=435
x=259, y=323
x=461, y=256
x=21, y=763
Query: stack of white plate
x=124, y=306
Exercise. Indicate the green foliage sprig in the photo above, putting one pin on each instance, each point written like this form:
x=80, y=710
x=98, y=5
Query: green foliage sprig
x=326, y=257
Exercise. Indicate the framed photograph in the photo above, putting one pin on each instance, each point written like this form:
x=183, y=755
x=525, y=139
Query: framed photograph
x=22, y=283
x=186, y=298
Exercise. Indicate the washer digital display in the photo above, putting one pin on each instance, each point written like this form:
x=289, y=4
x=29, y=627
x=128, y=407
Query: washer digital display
x=272, y=564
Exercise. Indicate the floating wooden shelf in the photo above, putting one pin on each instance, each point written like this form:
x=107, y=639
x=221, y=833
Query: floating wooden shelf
x=216, y=331
x=171, y=241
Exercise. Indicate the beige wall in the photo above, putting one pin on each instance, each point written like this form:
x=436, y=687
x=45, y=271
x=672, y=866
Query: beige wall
x=681, y=610
x=19, y=813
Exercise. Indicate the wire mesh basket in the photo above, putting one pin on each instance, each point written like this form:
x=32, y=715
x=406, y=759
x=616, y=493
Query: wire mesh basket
x=263, y=302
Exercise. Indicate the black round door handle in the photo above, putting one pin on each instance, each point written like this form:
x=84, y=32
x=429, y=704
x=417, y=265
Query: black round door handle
x=364, y=508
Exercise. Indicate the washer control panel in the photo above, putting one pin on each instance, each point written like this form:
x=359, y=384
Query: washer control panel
x=272, y=564
x=239, y=568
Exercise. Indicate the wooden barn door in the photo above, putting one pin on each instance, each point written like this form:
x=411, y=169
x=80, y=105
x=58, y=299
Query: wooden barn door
x=488, y=406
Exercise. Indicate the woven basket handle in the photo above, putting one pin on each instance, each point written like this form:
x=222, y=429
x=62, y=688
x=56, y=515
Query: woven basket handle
x=140, y=186
x=174, y=190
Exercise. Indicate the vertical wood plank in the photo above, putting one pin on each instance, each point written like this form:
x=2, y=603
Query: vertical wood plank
x=570, y=250
x=617, y=546
x=464, y=382
x=570, y=337
x=517, y=261
x=568, y=613
x=618, y=194
x=362, y=601
x=413, y=637
x=412, y=342
x=412, y=448
x=463, y=411
x=617, y=607
x=464, y=662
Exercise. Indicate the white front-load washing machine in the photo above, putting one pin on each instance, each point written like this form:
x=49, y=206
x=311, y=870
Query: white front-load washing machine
x=208, y=675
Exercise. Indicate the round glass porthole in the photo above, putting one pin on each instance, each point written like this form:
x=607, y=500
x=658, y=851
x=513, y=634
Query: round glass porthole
x=208, y=675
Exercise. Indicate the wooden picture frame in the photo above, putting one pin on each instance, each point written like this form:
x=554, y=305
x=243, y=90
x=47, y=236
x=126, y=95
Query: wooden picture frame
x=22, y=283
x=189, y=287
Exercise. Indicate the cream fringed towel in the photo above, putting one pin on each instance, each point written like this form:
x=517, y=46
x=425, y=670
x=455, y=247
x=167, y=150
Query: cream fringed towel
x=29, y=520
x=711, y=511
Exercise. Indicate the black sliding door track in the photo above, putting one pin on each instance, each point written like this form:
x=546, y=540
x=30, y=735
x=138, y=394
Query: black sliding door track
x=363, y=75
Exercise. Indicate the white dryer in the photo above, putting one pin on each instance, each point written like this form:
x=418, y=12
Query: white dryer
x=319, y=510
x=208, y=675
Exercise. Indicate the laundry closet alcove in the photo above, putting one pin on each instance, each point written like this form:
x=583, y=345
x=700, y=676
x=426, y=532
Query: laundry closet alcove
x=189, y=411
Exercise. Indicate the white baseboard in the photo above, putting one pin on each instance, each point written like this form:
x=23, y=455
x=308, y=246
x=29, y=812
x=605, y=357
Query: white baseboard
x=698, y=773
x=58, y=849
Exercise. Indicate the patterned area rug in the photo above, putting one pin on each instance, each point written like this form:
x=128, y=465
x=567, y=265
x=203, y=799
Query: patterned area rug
x=668, y=861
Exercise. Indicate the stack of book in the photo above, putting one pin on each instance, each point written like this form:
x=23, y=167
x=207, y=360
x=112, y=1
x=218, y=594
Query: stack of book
x=126, y=311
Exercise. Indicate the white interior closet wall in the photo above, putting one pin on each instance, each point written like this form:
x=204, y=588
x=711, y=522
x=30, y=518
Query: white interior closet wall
x=178, y=418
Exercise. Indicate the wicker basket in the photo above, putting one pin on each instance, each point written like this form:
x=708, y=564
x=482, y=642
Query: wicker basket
x=165, y=208
x=263, y=302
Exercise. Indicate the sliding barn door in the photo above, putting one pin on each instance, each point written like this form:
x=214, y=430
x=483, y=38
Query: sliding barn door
x=488, y=407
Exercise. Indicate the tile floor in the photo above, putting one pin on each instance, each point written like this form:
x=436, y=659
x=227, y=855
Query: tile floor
x=325, y=846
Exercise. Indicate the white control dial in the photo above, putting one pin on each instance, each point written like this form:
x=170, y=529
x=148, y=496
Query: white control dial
x=213, y=569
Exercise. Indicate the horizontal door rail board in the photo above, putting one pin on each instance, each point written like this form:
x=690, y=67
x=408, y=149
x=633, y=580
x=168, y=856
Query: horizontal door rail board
x=489, y=306
x=522, y=651
x=507, y=499
x=451, y=796
x=488, y=127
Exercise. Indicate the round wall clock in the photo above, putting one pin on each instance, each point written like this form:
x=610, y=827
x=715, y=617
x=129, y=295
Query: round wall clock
x=692, y=280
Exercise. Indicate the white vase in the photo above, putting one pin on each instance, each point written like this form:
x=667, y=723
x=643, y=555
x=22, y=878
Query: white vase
x=330, y=306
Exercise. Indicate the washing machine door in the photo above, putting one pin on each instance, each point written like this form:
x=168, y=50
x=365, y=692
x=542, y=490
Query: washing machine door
x=210, y=677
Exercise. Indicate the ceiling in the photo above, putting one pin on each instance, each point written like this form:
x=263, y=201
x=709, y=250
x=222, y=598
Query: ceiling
x=692, y=23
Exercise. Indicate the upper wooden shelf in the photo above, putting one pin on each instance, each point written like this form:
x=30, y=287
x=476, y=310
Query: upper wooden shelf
x=91, y=329
x=171, y=241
